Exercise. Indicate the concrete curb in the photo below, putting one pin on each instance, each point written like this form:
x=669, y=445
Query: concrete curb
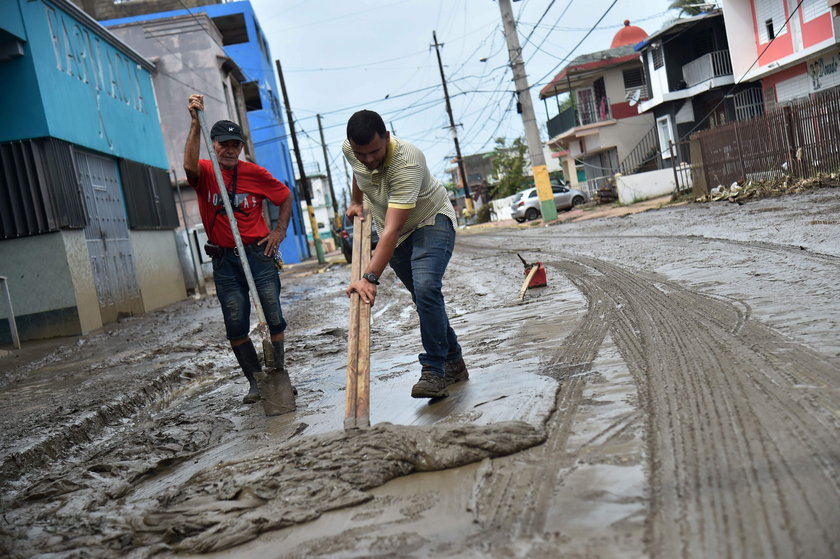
x=579, y=214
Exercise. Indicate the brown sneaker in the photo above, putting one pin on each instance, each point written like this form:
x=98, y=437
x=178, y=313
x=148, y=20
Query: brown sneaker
x=455, y=371
x=430, y=385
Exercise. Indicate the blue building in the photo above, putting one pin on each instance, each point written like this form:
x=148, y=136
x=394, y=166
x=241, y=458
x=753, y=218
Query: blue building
x=245, y=43
x=86, y=206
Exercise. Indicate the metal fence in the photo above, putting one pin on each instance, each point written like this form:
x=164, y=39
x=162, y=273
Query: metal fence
x=798, y=140
x=602, y=189
x=684, y=171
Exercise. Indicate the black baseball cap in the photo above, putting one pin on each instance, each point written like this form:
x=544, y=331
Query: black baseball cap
x=225, y=130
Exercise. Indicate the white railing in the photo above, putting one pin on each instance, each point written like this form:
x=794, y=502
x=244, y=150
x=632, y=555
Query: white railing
x=708, y=66
x=591, y=186
x=594, y=111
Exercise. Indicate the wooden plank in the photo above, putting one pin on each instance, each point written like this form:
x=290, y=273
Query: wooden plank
x=528, y=278
x=353, y=331
x=357, y=397
x=363, y=353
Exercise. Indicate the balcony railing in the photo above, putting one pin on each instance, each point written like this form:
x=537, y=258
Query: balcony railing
x=712, y=65
x=562, y=122
x=587, y=113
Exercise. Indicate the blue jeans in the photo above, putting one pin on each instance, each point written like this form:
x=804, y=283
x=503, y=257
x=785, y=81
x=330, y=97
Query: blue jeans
x=420, y=262
x=232, y=291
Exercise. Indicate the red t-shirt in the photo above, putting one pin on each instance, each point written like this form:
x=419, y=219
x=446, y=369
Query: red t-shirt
x=253, y=185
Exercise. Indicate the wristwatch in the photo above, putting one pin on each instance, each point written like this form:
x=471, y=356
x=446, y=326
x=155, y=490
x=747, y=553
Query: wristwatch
x=371, y=277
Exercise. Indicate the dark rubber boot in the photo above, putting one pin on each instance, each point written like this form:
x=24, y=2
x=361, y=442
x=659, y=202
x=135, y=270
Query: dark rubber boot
x=279, y=355
x=249, y=361
x=280, y=359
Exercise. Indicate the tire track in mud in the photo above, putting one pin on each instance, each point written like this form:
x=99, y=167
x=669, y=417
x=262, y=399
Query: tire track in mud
x=742, y=423
x=732, y=422
x=516, y=501
x=87, y=426
x=799, y=251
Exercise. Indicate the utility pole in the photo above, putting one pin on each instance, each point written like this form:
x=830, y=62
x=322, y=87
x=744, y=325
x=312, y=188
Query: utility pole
x=349, y=182
x=336, y=217
x=319, y=250
x=532, y=133
x=452, y=127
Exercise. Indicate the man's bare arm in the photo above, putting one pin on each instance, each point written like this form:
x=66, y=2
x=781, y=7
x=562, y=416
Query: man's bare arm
x=193, y=146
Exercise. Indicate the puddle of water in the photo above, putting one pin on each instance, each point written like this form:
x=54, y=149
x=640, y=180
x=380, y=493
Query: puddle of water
x=436, y=513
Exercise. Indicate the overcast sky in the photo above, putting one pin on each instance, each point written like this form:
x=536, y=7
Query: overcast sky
x=340, y=56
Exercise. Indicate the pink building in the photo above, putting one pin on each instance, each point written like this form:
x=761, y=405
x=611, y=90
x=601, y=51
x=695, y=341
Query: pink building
x=791, y=48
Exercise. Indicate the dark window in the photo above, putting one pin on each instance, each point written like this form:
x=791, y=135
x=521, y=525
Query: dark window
x=633, y=78
x=634, y=84
x=769, y=25
x=704, y=42
x=232, y=28
x=263, y=46
x=149, y=201
x=658, y=58
x=251, y=92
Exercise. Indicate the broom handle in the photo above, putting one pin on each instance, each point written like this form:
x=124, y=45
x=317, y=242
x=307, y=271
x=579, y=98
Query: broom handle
x=229, y=210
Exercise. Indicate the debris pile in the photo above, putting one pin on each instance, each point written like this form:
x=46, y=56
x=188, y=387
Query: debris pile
x=769, y=188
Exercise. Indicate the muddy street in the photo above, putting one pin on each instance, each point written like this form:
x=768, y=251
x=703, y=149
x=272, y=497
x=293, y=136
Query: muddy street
x=674, y=391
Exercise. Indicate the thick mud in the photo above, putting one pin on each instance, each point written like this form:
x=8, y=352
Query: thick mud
x=673, y=391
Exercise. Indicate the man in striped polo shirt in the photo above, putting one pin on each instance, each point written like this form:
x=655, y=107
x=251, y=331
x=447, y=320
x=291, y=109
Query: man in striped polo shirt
x=416, y=225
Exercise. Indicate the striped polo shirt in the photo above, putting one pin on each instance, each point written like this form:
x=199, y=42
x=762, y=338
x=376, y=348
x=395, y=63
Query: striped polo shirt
x=402, y=181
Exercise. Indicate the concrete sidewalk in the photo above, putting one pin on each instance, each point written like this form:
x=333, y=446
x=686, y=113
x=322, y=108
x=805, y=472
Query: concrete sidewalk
x=582, y=213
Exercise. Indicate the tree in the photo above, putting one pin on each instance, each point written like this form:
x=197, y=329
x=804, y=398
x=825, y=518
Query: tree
x=690, y=7
x=566, y=103
x=508, y=163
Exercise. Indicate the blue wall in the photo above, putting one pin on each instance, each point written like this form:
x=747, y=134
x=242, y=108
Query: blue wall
x=10, y=19
x=268, y=131
x=22, y=119
x=73, y=85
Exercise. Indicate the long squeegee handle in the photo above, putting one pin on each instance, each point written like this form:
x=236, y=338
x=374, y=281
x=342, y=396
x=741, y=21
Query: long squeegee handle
x=229, y=210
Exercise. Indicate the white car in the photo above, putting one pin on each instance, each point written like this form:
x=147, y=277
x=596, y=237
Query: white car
x=526, y=204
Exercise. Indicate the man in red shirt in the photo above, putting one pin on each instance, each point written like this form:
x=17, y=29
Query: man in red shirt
x=247, y=185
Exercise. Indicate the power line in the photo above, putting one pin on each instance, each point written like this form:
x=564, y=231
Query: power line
x=607, y=11
x=711, y=111
x=347, y=17
x=550, y=4
x=215, y=40
x=355, y=66
x=747, y=71
x=180, y=59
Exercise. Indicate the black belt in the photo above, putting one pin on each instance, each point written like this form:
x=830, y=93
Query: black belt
x=215, y=251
